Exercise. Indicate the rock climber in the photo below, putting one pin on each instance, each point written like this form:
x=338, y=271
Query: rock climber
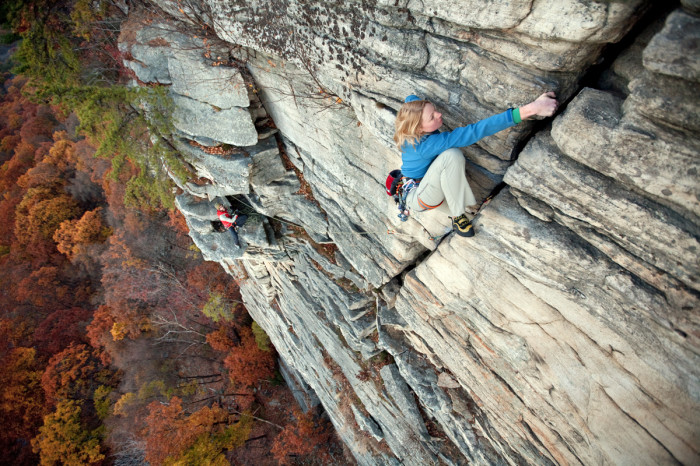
x=431, y=158
x=231, y=222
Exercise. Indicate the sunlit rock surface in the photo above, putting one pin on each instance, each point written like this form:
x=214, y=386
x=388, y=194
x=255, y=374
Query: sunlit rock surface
x=566, y=330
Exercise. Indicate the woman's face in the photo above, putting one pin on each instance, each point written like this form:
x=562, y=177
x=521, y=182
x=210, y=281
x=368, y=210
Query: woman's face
x=431, y=118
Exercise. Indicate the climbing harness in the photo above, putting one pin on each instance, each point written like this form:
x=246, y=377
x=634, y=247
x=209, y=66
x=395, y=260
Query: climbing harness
x=400, y=187
x=409, y=184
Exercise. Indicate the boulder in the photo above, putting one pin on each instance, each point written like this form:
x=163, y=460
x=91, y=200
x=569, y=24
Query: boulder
x=228, y=174
x=230, y=126
x=640, y=153
x=194, y=77
x=674, y=51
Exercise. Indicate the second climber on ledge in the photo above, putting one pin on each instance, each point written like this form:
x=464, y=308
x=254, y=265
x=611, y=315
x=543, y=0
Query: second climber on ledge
x=231, y=221
x=432, y=167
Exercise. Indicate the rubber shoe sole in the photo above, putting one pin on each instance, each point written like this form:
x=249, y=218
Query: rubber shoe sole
x=462, y=226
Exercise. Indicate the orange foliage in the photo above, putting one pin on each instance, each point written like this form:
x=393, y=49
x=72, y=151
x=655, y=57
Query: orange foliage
x=300, y=438
x=209, y=277
x=129, y=322
x=220, y=340
x=73, y=235
x=40, y=128
x=61, y=328
x=43, y=175
x=16, y=166
x=98, y=330
x=247, y=364
x=171, y=431
x=41, y=286
x=38, y=217
x=120, y=251
x=177, y=222
x=9, y=143
x=73, y=374
x=21, y=399
x=62, y=152
x=44, y=288
x=21, y=403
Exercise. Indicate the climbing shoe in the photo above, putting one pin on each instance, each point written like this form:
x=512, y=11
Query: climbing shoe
x=462, y=226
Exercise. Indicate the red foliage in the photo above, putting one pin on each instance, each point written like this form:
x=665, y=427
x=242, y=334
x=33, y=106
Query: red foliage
x=62, y=328
x=21, y=403
x=209, y=277
x=171, y=431
x=73, y=373
x=44, y=288
x=38, y=216
x=220, y=340
x=144, y=269
x=9, y=142
x=7, y=218
x=98, y=331
x=21, y=161
x=39, y=128
x=247, y=364
x=177, y=222
x=43, y=175
x=301, y=438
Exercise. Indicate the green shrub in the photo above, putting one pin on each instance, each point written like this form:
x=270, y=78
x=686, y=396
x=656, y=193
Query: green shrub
x=261, y=338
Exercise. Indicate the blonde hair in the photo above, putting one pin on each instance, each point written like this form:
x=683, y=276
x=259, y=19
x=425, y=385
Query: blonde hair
x=408, y=123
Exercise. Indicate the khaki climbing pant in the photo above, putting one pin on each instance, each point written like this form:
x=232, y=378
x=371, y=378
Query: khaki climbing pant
x=444, y=182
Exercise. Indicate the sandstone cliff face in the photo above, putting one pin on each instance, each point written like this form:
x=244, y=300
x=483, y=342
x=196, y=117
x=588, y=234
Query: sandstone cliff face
x=566, y=330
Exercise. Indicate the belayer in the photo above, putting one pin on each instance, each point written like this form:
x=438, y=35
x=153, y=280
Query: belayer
x=231, y=222
x=432, y=170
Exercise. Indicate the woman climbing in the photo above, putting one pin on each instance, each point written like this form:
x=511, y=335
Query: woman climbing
x=431, y=159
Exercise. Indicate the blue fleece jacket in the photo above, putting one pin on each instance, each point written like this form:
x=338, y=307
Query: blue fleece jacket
x=416, y=160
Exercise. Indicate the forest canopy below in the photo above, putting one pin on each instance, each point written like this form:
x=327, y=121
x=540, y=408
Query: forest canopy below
x=120, y=344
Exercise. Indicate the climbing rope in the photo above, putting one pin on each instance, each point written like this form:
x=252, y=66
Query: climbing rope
x=436, y=238
x=254, y=213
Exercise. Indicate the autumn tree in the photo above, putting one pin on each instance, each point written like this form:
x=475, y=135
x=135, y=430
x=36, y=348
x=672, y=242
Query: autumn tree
x=301, y=438
x=64, y=438
x=40, y=213
x=74, y=374
x=73, y=236
x=61, y=204
x=21, y=400
x=176, y=437
x=246, y=362
x=39, y=128
x=152, y=281
x=49, y=288
x=62, y=328
x=98, y=333
x=44, y=295
x=74, y=65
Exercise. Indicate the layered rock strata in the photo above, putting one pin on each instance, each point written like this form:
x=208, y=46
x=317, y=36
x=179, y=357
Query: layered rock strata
x=566, y=330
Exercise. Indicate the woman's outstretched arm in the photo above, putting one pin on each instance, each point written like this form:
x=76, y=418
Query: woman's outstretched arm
x=544, y=106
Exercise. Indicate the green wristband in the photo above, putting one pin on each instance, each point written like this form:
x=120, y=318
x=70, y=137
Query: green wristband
x=516, y=116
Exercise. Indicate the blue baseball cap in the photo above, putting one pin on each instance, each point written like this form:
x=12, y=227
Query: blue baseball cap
x=411, y=98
